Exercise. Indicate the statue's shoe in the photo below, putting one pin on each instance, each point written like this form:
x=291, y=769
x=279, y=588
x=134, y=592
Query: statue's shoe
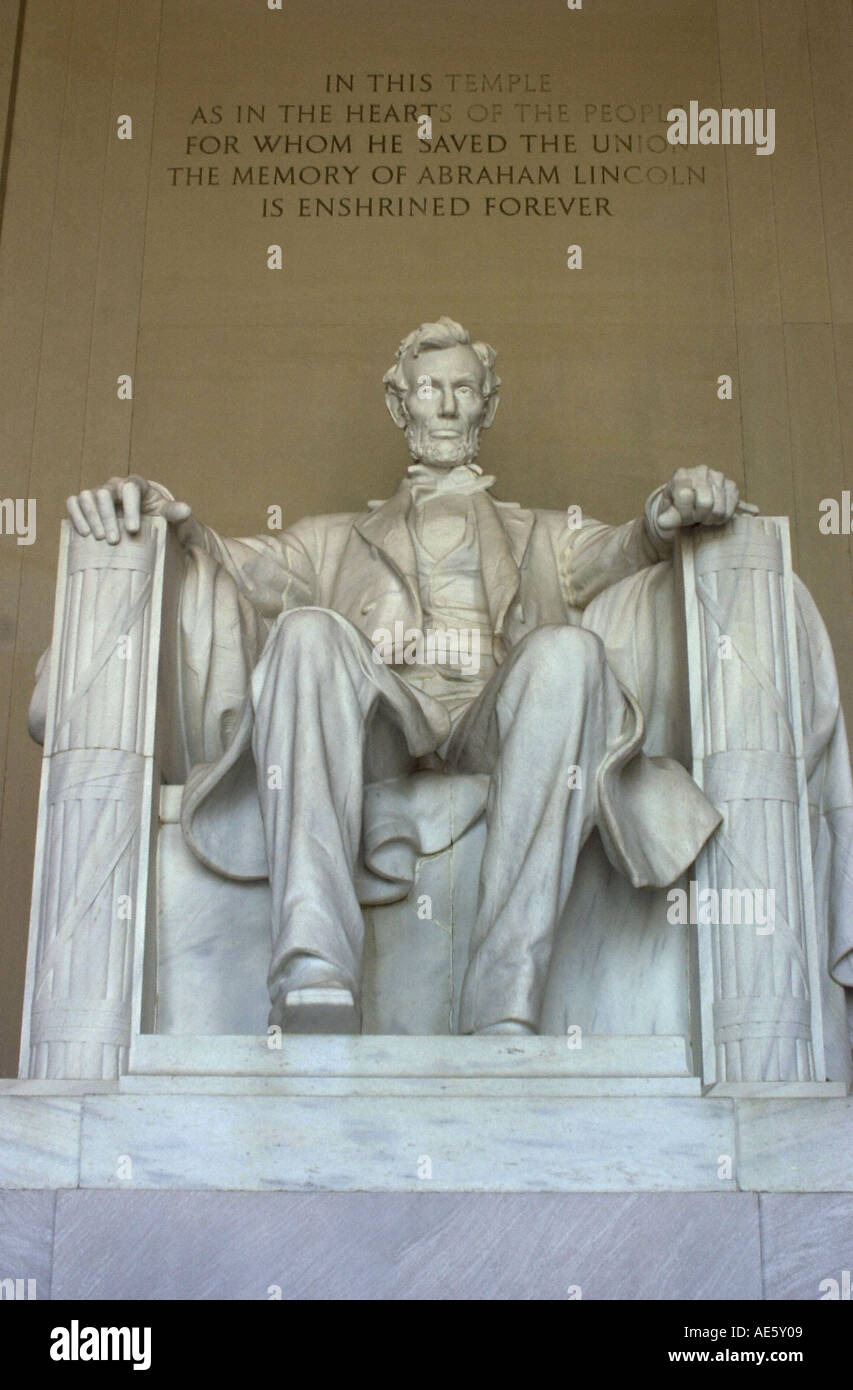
x=316, y=1009
x=508, y=1026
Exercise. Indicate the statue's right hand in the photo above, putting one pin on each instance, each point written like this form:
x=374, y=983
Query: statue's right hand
x=101, y=511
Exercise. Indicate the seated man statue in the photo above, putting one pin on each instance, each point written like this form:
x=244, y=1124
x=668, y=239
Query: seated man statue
x=439, y=630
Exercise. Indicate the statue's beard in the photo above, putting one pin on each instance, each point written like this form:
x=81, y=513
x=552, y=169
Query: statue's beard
x=424, y=447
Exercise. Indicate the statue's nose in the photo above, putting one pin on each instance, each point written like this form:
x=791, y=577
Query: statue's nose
x=448, y=402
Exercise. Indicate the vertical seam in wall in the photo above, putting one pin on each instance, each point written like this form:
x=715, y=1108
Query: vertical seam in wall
x=795, y=520
x=820, y=181
x=53, y=1242
x=109, y=136
x=10, y=107
x=145, y=218
x=731, y=258
x=753, y=1193
x=14, y=661
x=761, y=1246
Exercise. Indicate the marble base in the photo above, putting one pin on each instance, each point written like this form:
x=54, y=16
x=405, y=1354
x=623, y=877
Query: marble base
x=426, y=1245
x=410, y=1133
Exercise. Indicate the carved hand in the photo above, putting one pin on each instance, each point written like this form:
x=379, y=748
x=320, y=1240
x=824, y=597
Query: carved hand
x=101, y=511
x=695, y=497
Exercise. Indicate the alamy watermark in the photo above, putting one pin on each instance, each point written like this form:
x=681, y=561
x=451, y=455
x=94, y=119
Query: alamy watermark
x=722, y=907
x=728, y=126
x=440, y=646
x=18, y=518
x=17, y=1289
x=835, y=1290
x=836, y=517
x=76, y=1343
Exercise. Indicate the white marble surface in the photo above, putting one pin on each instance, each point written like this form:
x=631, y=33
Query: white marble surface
x=779, y=1090
x=213, y=945
x=512, y=1087
x=25, y=1086
x=212, y=979
x=409, y=1246
x=482, y=1134
x=39, y=1141
x=796, y=1146
x=26, y=1238
x=378, y=1143
x=419, y=1245
x=408, y=970
x=596, y=1055
x=807, y=1239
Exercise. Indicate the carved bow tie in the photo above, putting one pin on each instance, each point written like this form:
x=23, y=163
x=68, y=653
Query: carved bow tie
x=464, y=479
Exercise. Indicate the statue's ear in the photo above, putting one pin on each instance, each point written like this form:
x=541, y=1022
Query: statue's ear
x=396, y=409
x=491, y=411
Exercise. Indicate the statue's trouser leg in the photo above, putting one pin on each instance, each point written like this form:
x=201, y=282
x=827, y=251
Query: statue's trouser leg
x=315, y=693
x=554, y=706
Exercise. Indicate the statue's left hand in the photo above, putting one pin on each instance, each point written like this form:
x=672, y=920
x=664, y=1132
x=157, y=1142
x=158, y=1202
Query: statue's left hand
x=696, y=497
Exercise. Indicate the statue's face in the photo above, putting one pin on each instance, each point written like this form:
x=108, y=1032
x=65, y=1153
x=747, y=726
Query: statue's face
x=443, y=427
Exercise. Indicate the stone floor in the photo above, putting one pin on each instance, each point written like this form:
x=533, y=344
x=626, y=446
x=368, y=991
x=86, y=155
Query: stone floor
x=98, y=1244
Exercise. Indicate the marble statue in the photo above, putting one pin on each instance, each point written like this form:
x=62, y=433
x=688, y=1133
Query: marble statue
x=443, y=631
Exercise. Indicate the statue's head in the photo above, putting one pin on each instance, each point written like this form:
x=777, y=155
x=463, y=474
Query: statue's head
x=442, y=390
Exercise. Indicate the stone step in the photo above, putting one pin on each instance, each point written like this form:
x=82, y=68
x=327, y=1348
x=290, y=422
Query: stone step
x=320, y=1055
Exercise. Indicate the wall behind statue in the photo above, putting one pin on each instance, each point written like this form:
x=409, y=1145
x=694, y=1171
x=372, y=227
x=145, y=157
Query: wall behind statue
x=255, y=387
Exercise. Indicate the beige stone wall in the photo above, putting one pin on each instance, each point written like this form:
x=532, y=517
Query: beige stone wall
x=254, y=387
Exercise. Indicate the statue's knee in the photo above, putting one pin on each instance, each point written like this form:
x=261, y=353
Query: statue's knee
x=312, y=630
x=308, y=640
x=565, y=654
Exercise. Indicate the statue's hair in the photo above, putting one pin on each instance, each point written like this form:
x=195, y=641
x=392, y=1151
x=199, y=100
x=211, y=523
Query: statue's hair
x=445, y=333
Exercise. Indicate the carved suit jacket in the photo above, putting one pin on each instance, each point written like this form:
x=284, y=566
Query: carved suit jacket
x=537, y=570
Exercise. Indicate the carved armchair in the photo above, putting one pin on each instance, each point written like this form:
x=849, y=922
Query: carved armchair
x=132, y=938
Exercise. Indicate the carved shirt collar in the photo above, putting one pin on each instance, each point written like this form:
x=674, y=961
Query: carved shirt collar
x=426, y=482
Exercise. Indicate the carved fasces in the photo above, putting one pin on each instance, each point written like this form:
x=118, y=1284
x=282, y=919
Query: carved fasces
x=759, y=980
x=94, y=811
